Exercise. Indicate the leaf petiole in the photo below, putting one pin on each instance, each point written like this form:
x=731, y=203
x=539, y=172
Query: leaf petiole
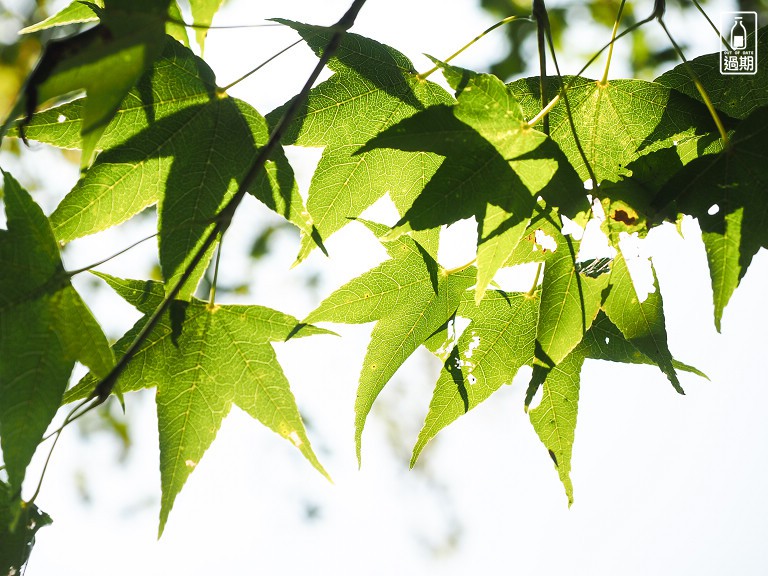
x=532, y=291
x=225, y=27
x=712, y=24
x=699, y=87
x=657, y=12
x=212, y=298
x=222, y=91
x=507, y=20
x=461, y=268
x=613, y=39
x=71, y=273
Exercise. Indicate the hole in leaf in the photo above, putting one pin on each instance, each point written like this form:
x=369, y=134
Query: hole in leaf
x=545, y=241
x=472, y=346
x=61, y=118
x=714, y=209
x=536, y=400
x=294, y=437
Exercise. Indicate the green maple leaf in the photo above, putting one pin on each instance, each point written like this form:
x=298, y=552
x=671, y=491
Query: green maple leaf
x=616, y=122
x=105, y=61
x=495, y=166
x=570, y=294
x=554, y=419
x=374, y=87
x=202, y=359
x=19, y=522
x=203, y=12
x=726, y=192
x=177, y=141
x=570, y=301
x=76, y=12
x=642, y=323
x=738, y=96
x=410, y=296
x=497, y=342
x=79, y=12
x=44, y=329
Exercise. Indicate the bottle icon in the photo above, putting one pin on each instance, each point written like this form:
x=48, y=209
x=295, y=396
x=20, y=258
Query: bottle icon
x=738, y=35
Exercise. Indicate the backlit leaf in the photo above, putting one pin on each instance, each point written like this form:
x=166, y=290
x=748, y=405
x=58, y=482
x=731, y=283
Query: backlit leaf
x=105, y=61
x=44, y=328
x=19, y=522
x=410, y=296
x=494, y=168
x=616, y=122
x=726, y=192
x=641, y=323
x=736, y=95
x=497, y=342
x=76, y=12
x=374, y=87
x=202, y=359
x=175, y=141
x=554, y=419
x=202, y=12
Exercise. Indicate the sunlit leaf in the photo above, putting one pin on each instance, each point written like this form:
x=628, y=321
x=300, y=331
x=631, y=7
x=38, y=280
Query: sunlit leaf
x=616, y=122
x=76, y=12
x=736, y=95
x=203, y=12
x=497, y=342
x=44, y=328
x=174, y=140
x=495, y=166
x=726, y=192
x=374, y=86
x=202, y=359
x=410, y=296
x=641, y=323
x=105, y=61
x=554, y=418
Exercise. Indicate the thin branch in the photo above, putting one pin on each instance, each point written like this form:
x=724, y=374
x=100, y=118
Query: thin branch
x=71, y=273
x=259, y=67
x=507, y=20
x=224, y=218
x=699, y=86
x=544, y=17
x=226, y=27
x=658, y=12
x=542, y=26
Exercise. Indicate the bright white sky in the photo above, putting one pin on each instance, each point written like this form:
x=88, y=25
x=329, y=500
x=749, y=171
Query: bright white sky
x=664, y=484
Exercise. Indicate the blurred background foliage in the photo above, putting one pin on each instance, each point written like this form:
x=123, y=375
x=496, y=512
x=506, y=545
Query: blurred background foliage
x=18, y=53
x=567, y=17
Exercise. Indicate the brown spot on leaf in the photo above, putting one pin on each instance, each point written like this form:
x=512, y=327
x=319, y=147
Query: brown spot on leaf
x=624, y=217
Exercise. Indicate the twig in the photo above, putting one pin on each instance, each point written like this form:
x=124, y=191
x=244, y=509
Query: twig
x=224, y=218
